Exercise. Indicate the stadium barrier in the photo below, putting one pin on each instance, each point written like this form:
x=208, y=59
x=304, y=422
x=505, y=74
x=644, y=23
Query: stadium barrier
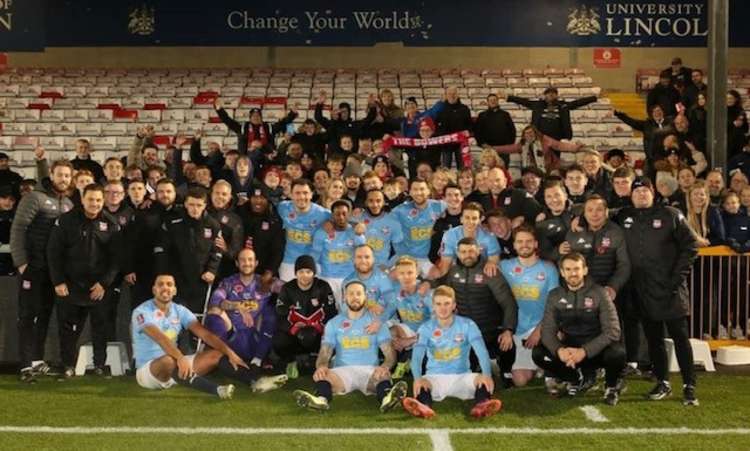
x=719, y=287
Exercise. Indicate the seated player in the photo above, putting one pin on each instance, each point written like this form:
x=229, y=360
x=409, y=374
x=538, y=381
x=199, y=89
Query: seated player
x=303, y=308
x=159, y=364
x=242, y=315
x=582, y=313
x=447, y=340
x=414, y=307
x=356, y=365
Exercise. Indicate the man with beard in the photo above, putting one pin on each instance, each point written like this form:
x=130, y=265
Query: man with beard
x=357, y=366
x=231, y=239
x=333, y=249
x=29, y=234
x=241, y=313
x=581, y=332
x=417, y=218
x=383, y=230
x=379, y=289
x=264, y=232
x=486, y=300
x=301, y=219
x=186, y=247
x=455, y=117
x=83, y=265
x=531, y=280
x=471, y=227
x=142, y=235
x=495, y=127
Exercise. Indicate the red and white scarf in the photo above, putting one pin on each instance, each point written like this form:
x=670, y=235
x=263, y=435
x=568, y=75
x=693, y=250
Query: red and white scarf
x=262, y=136
x=461, y=138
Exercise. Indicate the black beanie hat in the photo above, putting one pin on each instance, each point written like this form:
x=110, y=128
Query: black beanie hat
x=304, y=262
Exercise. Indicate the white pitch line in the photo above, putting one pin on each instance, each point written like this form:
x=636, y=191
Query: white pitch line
x=594, y=414
x=441, y=440
x=353, y=431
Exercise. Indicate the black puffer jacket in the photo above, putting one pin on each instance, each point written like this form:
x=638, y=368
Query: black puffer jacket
x=662, y=249
x=32, y=225
x=82, y=252
x=488, y=301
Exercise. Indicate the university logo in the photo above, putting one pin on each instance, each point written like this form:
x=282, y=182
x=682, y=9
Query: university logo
x=583, y=21
x=142, y=20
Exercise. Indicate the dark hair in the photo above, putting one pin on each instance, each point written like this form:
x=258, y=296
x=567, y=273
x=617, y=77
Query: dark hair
x=452, y=185
x=574, y=167
x=473, y=206
x=597, y=196
x=166, y=181
x=498, y=212
x=302, y=182
x=197, y=192
x=93, y=187
x=525, y=228
x=418, y=180
x=341, y=203
x=573, y=256
x=62, y=163
x=624, y=172
x=467, y=241
x=112, y=159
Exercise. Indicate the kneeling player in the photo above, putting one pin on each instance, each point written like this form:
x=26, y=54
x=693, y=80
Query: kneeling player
x=356, y=365
x=581, y=332
x=155, y=326
x=447, y=340
x=241, y=314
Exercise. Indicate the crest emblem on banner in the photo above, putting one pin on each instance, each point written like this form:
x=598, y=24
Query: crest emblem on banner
x=583, y=21
x=142, y=20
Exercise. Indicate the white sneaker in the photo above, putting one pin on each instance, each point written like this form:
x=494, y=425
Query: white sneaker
x=723, y=333
x=225, y=391
x=269, y=383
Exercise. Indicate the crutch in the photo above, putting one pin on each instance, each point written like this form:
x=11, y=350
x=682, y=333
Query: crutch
x=199, y=348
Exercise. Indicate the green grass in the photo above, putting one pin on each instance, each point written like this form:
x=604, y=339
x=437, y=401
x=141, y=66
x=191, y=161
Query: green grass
x=725, y=403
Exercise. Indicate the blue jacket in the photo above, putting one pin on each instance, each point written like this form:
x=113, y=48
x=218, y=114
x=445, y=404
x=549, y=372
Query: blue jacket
x=410, y=128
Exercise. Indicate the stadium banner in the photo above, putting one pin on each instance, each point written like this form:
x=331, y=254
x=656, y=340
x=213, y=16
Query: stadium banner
x=527, y=23
x=22, y=25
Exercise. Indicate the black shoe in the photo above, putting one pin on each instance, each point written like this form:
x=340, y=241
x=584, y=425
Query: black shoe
x=507, y=383
x=631, y=371
x=688, y=396
x=584, y=384
x=660, y=391
x=65, y=374
x=103, y=371
x=611, y=396
x=27, y=376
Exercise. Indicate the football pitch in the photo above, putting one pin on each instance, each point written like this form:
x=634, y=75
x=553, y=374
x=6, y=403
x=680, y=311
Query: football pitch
x=93, y=414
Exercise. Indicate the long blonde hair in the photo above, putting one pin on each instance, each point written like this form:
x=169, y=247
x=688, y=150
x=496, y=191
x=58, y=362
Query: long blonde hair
x=697, y=219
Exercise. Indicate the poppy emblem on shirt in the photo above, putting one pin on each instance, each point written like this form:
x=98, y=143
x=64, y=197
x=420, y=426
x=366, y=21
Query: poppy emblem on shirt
x=518, y=270
x=588, y=302
x=264, y=225
x=541, y=276
x=102, y=226
x=207, y=233
x=140, y=319
x=346, y=325
x=158, y=314
x=437, y=333
x=238, y=288
x=292, y=215
x=224, y=219
x=606, y=242
x=413, y=213
x=657, y=223
x=507, y=201
x=314, y=302
x=478, y=278
x=123, y=220
x=367, y=221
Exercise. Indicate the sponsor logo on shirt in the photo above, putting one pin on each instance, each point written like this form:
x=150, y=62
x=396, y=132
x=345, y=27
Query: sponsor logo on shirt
x=588, y=302
x=657, y=223
x=102, y=226
x=207, y=233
